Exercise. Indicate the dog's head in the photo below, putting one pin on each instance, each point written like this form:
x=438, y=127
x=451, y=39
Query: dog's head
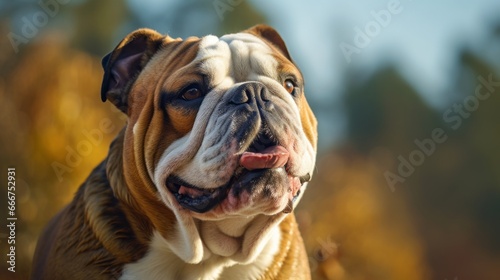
x=219, y=132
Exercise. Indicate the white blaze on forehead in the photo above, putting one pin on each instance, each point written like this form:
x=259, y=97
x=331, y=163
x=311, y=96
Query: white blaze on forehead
x=240, y=56
x=215, y=57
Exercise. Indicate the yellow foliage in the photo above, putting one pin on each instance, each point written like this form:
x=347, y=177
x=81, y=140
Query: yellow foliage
x=51, y=106
x=354, y=227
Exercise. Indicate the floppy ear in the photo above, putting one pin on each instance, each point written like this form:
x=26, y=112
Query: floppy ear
x=270, y=35
x=123, y=64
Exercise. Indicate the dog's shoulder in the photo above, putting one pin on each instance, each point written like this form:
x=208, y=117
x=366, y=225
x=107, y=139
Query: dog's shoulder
x=72, y=241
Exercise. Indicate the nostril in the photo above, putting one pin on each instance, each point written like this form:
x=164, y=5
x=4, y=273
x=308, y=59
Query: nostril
x=251, y=92
x=264, y=94
x=240, y=97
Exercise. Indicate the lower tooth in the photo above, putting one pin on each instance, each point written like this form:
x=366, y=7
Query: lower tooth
x=289, y=207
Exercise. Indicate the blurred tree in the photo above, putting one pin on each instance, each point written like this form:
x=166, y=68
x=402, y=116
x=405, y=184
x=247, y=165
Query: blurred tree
x=482, y=136
x=51, y=133
x=353, y=228
x=96, y=24
x=385, y=111
x=454, y=194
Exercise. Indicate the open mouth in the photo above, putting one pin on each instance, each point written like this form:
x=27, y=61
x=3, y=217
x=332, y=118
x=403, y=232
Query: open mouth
x=203, y=200
x=264, y=161
x=194, y=198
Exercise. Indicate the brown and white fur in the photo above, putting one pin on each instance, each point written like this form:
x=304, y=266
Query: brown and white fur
x=172, y=200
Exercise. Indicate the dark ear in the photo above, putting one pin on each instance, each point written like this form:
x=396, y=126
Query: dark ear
x=271, y=35
x=123, y=64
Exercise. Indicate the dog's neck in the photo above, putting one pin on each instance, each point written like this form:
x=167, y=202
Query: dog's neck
x=222, y=239
x=162, y=263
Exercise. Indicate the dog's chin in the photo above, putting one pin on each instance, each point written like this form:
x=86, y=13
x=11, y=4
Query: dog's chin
x=248, y=192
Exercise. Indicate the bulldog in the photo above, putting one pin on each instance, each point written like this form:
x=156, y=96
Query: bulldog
x=201, y=182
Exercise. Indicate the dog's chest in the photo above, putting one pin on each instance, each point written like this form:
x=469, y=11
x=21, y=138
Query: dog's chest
x=161, y=263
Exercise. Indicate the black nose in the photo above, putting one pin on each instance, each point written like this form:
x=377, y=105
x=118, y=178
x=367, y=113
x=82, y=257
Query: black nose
x=250, y=93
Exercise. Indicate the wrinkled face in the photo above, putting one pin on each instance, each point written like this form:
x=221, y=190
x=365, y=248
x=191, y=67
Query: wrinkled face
x=222, y=127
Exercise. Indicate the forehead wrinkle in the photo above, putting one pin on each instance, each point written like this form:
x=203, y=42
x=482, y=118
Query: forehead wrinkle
x=239, y=51
x=249, y=50
x=263, y=64
x=240, y=56
x=213, y=58
x=168, y=62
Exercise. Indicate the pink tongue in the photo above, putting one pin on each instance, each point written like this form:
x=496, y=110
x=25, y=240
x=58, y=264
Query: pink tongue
x=272, y=157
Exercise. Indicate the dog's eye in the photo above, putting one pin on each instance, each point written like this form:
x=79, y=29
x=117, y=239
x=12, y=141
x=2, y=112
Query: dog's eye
x=191, y=93
x=289, y=85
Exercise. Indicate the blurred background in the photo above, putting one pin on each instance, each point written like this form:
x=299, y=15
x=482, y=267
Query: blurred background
x=407, y=94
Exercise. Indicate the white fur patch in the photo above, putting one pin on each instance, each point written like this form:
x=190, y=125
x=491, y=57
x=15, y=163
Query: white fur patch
x=161, y=263
x=134, y=128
